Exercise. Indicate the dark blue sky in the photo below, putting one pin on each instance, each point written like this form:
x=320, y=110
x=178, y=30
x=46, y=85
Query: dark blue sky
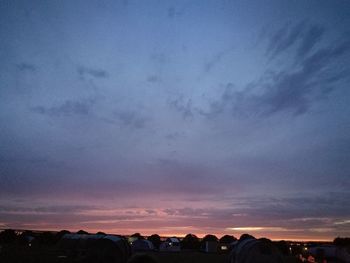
x=176, y=116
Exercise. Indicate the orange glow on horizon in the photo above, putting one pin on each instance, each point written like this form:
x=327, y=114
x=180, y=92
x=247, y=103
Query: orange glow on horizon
x=148, y=232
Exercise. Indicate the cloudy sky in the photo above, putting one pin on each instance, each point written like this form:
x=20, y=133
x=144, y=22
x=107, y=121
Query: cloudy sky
x=176, y=117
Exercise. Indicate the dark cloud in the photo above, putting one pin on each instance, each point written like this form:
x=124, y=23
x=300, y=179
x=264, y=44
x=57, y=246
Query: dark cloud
x=228, y=98
x=301, y=36
x=171, y=12
x=96, y=73
x=175, y=12
x=153, y=79
x=23, y=160
x=189, y=179
x=46, y=209
x=269, y=210
x=183, y=106
x=284, y=38
x=296, y=91
x=175, y=135
x=309, y=40
x=189, y=212
x=217, y=58
x=77, y=216
x=131, y=119
x=160, y=58
x=330, y=204
x=151, y=211
x=26, y=67
x=291, y=90
x=68, y=108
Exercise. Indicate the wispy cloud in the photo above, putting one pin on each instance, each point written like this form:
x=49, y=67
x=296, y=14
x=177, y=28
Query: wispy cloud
x=131, y=119
x=293, y=90
x=285, y=38
x=26, y=67
x=183, y=106
x=153, y=78
x=311, y=37
x=216, y=59
x=159, y=57
x=92, y=72
x=257, y=229
x=343, y=222
x=52, y=209
x=178, y=11
x=68, y=108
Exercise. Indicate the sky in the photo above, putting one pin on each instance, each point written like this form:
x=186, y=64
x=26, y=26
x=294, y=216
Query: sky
x=176, y=117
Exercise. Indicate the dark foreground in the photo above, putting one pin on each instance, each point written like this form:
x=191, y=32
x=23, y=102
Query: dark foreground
x=51, y=255
x=198, y=257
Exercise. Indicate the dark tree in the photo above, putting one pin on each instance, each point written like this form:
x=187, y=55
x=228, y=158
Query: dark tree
x=245, y=236
x=190, y=241
x=155, y=239
x=82, y=232
x=28, y=233
x=138, y=236
x=209, y=238
x=8, y=236
x=25, y=237
x=101, y=233
x=60, y=234
x=46, y=238
x=283, y=247
x=227, y=239
x=342, y=241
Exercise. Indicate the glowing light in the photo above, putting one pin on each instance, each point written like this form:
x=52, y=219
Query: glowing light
x=257, y=229
x=342, y=222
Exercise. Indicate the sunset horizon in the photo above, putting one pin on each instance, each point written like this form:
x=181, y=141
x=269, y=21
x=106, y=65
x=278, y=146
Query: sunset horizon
x=174, y=117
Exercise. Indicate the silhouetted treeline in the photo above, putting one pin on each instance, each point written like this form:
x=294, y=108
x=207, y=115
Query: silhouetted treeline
x=227, y=239
x=155, y=239
x=10, y=236
x=342, y=241
x=190, y=241
x=138, y=236
x=100, y=246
